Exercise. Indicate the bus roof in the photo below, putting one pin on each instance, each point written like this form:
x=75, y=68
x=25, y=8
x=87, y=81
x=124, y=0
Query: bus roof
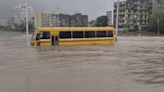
x=75, y=28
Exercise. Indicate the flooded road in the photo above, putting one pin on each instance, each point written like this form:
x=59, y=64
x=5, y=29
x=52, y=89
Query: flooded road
x=134, y=64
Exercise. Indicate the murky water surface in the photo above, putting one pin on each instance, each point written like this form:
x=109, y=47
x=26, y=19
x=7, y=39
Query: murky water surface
x=134, y=64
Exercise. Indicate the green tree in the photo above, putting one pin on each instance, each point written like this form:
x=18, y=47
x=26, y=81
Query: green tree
x=154, y=24
x=22, y=27
x=102, y=21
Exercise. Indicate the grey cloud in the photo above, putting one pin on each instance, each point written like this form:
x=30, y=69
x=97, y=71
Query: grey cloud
x=93, y=8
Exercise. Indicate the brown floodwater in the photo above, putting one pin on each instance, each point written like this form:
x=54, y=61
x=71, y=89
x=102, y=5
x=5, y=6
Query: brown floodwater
x=134, y=64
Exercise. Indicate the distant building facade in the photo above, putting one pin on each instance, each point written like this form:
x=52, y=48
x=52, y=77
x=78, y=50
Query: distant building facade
x=109, y=15
x=122, y=15
x=20, y=13
x=4, y=22
x=135, y=14
x=78, y=20
x=10, y=22
x=64, y=20
x=45, y=19
x=50, y=19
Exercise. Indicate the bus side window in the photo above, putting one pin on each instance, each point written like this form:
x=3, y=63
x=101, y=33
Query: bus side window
x=90, y=34
x=101, y=34
x=78, y=34
x=110, y=33
x=65, y=35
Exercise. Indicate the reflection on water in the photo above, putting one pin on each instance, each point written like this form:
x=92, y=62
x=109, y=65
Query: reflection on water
x=134, y=64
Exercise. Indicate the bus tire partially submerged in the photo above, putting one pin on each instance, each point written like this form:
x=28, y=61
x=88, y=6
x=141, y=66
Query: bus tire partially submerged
x=74, y=36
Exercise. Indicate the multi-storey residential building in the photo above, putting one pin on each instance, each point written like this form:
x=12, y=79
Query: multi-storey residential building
x=50, y=19
x=3, y=22
x=122, y=14
x=63, y=20
x=45, y=19
x=20, y=13
x=78, y=20
x=10, y=22
x=109, y=15
x=135, y=14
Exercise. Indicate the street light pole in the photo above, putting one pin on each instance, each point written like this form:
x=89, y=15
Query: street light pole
x=27, y=25
x=117, y=16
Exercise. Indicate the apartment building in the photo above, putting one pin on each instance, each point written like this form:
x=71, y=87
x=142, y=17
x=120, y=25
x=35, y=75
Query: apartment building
x=20, y=13
x=122, y=15
x=78, y=20
x=3, y=22
x=109, y=15
x=50, y=19
x=64, y=20
x=134, y=14
x=45, y=19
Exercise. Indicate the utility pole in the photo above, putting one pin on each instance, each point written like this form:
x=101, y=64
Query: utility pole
x=27, y=25
x=117, y=17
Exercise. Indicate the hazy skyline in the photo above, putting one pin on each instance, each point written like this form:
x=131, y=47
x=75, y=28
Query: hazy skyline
x=92, y=8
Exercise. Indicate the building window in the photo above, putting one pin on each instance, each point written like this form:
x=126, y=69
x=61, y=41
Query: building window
x=44, y=35
x=65, y=35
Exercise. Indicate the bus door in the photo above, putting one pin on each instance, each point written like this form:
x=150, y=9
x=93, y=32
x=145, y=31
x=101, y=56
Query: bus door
x=56, y=40
x=38, y=40
x=53, y=40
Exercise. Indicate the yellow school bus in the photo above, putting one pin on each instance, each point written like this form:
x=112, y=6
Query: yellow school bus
x=63, y=36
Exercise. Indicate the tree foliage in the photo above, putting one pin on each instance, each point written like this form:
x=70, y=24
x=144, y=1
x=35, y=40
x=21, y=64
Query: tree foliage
x=22, y=27
x=102, y=21
x=153, y=23
x=2, y=28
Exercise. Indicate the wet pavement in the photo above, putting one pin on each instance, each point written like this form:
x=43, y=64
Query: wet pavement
x=134, y=64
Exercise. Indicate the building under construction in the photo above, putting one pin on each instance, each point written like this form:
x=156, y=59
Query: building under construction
x=134, y=14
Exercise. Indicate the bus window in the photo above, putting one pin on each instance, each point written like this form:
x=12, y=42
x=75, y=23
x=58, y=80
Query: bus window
x=90, y=34
x=78, y=35
x=65, y=35
x=110, y=34
x=101, y=34
x=44, y=35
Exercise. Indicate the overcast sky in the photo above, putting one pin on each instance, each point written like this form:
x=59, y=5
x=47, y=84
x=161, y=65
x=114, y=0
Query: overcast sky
x=93, y=8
